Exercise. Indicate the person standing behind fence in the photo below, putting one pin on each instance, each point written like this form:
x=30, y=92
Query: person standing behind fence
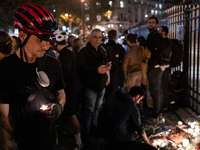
x=76, y=46
x=166, y=54
x=115, y=53
x=73, y=88
x=92, y=66
x=132, y=63
x=6, y=45
x=155, y=45
x=140, y=41
x=70, y=41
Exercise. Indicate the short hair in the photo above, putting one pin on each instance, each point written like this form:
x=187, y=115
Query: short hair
x=112, y=34
x=153, y=17
x=70, y=40
x=165, y=29
x=131, y=38
x=136, y=90
x=142, y=41
x=6, y=43
x=95, y=30
x=125, y=32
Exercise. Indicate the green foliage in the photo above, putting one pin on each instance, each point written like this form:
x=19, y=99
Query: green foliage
x=9, y=7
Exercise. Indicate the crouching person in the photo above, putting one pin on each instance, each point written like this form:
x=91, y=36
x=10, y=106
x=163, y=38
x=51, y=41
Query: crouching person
x=120, y=118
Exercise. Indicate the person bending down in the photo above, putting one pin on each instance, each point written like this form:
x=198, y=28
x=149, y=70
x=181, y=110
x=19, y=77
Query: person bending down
x=120, y=118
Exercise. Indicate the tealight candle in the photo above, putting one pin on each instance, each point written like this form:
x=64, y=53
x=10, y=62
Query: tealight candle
x=192, y=125
x=179, y=145
x=180, y=123
x=163, y=144
x=185, y=142
x=190, y=131
x=196, y=129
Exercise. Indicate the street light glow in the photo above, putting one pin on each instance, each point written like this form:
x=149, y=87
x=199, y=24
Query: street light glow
x=66, y=15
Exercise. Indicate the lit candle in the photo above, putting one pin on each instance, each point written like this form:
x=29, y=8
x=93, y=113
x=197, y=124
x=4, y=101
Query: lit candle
x=192, y=125
x=163, y=144
x=179, y=145
x=44, y=107
x=196, y=129
x=180, y=123
x=185, y=142
x=190, y=131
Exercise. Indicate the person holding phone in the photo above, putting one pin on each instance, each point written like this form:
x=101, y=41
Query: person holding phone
x=92, y=66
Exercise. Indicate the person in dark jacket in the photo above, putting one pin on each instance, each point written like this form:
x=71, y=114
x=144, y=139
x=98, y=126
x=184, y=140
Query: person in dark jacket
x=120, y=118
x=115, y=54
x=92, y=66
x=155, y=45
x=73, y=87
x=166, y=54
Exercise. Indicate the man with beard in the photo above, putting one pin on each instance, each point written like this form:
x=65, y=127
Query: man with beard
x=155, y=45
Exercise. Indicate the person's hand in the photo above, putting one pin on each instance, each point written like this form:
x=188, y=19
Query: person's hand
x=150, y=142
x=103, y=68
x=53, y=111
x=109, y=65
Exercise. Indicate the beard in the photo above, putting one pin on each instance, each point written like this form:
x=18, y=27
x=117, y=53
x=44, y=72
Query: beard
x=151, y=29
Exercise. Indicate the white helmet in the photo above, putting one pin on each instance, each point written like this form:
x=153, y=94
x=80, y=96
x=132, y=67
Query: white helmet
x=60, y=36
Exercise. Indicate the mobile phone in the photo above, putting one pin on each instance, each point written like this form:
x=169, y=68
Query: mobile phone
x=110, y=62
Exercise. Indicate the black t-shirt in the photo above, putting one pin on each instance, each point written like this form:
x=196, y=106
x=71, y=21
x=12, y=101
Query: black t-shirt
x=31, y=129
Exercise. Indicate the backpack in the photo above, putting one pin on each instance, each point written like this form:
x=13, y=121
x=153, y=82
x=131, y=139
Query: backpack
x=177, y=90
x=177, y=53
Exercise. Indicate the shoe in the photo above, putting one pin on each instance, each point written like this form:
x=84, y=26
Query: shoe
x=78, y=147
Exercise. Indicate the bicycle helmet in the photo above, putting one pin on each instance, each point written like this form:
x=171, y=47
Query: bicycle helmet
x=34, y=19
x=61, y=36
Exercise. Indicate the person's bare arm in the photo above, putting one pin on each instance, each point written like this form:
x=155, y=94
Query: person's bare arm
x=61, y=98
x=144, y=137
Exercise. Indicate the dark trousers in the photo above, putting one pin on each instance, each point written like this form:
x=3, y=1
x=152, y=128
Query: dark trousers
x=155, y=88
x=165, y=89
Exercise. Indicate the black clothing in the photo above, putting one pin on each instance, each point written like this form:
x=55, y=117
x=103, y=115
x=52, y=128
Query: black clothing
x=155, y=45
x=120, y=118
x=73, y=86
x=88, y=62
x=167, y=49
x=51, y=52
x=31, y=129
x=115, y=53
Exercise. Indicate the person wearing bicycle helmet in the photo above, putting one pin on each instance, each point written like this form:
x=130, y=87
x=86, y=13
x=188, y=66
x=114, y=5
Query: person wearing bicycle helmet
x=73, y=86
x=31, y=94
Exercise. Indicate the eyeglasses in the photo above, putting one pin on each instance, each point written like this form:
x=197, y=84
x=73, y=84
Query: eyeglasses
x=151, y=22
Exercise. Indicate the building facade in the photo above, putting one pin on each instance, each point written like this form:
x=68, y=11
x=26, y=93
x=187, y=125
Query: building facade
x=128, y=13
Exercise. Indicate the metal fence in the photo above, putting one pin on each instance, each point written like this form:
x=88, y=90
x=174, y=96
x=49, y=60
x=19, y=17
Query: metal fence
x=187, y=16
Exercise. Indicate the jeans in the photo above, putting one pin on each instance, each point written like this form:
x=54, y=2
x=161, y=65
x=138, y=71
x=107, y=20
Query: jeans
x=165, y=89
x=91, y=102
x=155, y=88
